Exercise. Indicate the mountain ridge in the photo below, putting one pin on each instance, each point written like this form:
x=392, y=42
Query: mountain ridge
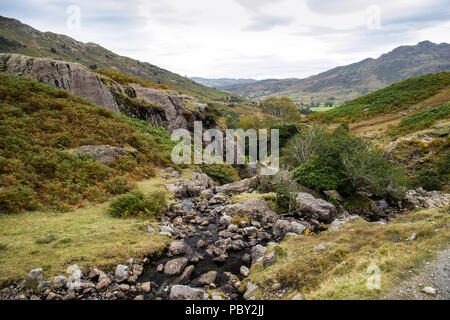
x=351, y=81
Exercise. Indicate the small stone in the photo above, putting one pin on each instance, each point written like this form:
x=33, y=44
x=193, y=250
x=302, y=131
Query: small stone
x=95, y=273
x=124, y=287
x=121, y=273
x=201, y=243
x=429, y=290
x=207, y=278
x=140, y=298
x=160, y=268
x=244, y=271
x=298, y=296
x=411, y=237
x=269, y=259
x=69, y=296
x=102, y=285
x=44, y=285
x=138, y=269
x=35, y=275
x=320, y=247
x=146, y=287
x=59, y=282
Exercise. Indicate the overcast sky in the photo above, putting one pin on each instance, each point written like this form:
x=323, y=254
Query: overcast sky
x=242, y=38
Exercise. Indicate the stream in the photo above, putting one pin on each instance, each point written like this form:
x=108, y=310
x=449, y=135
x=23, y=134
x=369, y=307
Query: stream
x=162, y=282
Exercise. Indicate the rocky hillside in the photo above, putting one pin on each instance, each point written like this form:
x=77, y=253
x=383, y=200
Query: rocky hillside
x=167, y=108
x=50, y=141
x=16, y=37
x=348, y=82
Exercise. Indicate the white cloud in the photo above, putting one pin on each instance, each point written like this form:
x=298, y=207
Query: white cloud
x=243, y=38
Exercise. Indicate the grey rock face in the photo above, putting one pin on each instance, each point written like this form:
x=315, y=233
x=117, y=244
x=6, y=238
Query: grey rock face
x=72, y=77
x=170, y=107
x=312, y=207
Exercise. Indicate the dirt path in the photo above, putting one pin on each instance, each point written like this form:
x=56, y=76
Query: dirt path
x=436, y=274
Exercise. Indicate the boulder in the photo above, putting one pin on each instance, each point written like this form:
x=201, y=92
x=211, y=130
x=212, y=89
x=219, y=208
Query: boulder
x=59, y=282
x=252, y=290
x=254, y=209
x=35, y=275
x=121, y=273
x=257, y=252
x=175, y=266
x=269, y=259
x=180, y=292
x=207, y=278
x=311, y=207
x=241, y=186
x=179, y=247
x=244, y=271
x=105, y=153
x=184, y=276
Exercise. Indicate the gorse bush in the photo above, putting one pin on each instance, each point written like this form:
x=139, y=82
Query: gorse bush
x=136, y=204
x=39, y=125
x=221, y=173
x=346, y=163
x=422, y=120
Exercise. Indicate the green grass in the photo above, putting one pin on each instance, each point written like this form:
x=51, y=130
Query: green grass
x=40, y=126
x=89, y=237
x=399, y=96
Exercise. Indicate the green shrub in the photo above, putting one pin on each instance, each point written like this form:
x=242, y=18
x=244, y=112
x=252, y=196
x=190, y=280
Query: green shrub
x=317, y=177
x=221, y=173
x=429, y=180
x=136, y=204
x=422, y=120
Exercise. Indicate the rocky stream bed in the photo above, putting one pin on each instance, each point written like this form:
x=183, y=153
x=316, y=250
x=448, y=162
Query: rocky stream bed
x=214, y=243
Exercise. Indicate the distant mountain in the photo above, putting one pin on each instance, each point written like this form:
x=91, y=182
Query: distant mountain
x=221, y=82
x=16, y=37
x=348, y=82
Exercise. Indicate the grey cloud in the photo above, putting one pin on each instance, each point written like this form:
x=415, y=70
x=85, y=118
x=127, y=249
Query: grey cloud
x=267, y=22
x=260, y=20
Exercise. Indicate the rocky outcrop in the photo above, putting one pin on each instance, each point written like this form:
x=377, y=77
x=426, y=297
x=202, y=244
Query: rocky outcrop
x=163, y=107
x=254, y=209
x=105, y=153
x=318, y=209
x=242, y=186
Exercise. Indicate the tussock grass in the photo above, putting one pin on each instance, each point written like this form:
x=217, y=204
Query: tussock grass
x=340, y=271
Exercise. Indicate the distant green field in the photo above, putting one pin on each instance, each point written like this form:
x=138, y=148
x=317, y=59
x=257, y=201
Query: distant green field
x=321, y=109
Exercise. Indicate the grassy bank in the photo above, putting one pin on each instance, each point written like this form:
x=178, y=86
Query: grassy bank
x=340, y=271
x=87, y=236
